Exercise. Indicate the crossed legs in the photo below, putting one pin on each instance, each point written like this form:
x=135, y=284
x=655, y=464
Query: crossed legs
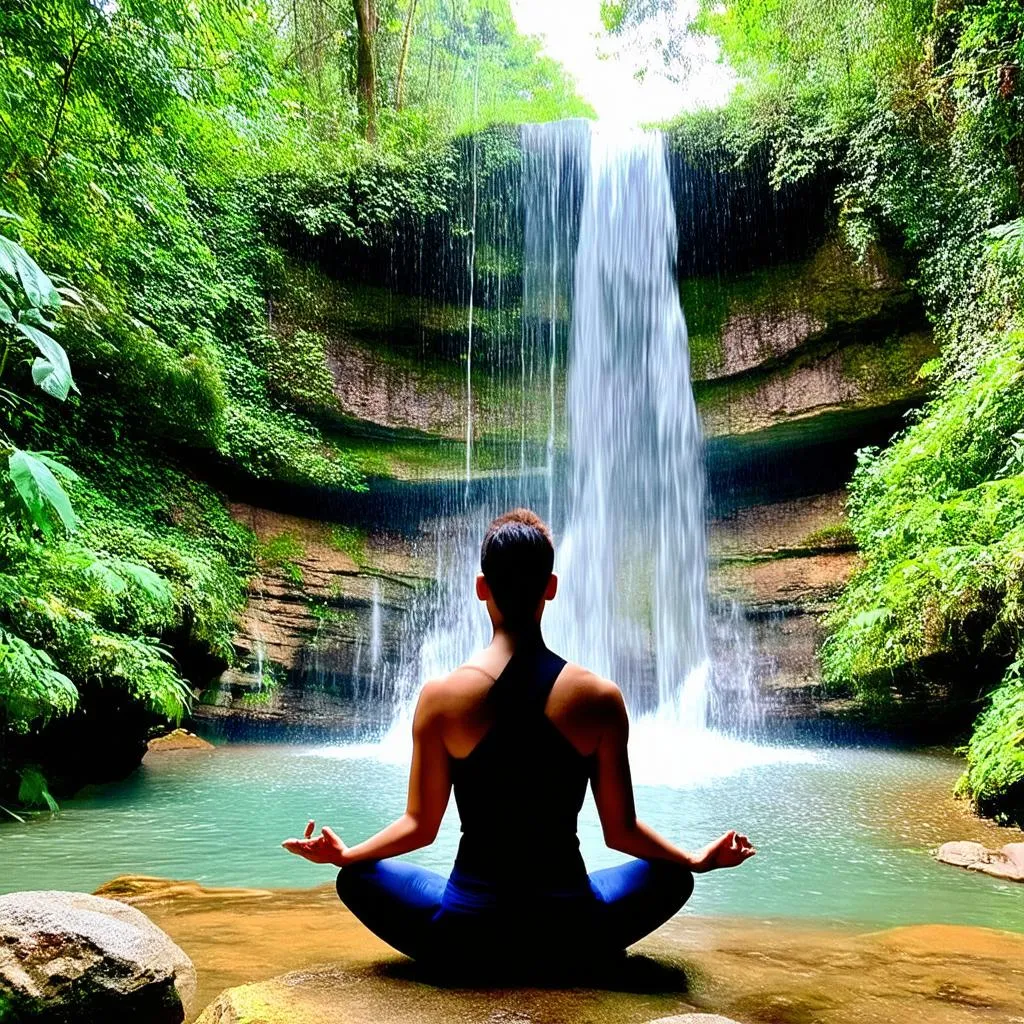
x=406, y=906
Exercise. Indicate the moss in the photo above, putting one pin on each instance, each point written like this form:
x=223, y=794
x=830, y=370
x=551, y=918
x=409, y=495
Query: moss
x=706, y=303
x=831, y=289
x=430, y=459
x=836, y=537
x=399, y=337
x=283, y=552
x=872, y=375
x=350, y=540
x=309, y=297
x=890, y=369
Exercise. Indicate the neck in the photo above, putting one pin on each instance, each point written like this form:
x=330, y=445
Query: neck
x=527, y=634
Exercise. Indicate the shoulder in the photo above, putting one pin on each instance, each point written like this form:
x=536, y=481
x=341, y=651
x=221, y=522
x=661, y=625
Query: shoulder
x=445, y=694
x=599, y=695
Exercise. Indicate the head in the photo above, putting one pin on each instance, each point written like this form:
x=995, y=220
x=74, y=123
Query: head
x=515, y=579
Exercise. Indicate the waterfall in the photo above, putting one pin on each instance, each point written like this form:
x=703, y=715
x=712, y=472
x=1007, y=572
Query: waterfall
x=624, y=491
x=634, y=553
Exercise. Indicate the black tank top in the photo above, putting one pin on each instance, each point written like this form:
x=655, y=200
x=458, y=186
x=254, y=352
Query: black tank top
x=520, y=790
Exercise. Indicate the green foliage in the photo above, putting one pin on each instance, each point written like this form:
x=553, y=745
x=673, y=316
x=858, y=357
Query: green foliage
x=283, y=446
x=939, y=516
x=45, y=501
x=28, y=302
x=33, y=790
x=31, y=687
x=298, y=373
x=917, y=109
x=994, y=779
x=151, y=153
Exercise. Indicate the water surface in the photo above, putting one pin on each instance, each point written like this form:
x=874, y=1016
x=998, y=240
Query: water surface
x=843, y=834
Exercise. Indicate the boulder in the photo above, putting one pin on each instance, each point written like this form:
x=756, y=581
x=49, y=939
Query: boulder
x=71, y=958
x=1006, y=863
x=178, y=739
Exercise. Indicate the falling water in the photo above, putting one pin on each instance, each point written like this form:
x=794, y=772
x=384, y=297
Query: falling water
x=625, y=491
x=634, y=552
x=375, y=629
x=553, y=184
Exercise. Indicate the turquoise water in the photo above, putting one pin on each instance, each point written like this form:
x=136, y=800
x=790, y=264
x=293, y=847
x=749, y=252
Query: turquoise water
x=843, y=834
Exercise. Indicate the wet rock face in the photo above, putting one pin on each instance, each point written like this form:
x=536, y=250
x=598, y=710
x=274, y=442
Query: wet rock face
x=783, y=563
x=396, y=395
x=71, y=958
x=746, y=322
x=325, y=616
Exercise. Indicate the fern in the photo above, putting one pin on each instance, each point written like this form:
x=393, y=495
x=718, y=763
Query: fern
x=31, y=686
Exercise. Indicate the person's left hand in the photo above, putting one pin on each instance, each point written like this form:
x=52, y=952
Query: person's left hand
x=728, y=851
x=326, y=848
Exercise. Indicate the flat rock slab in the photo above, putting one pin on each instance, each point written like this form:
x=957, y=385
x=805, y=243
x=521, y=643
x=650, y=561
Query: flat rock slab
x=297, y=956
x=694, y=1018
x=71, y=958
x=1006, y=863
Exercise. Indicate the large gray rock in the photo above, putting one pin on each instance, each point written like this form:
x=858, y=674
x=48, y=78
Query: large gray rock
x=1006, y=863
x=71, y=958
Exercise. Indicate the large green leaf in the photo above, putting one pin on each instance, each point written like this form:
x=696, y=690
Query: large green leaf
x=32, y=688
x=45, y=500
x=58, y=468
x=52, y=372
x=16, y=263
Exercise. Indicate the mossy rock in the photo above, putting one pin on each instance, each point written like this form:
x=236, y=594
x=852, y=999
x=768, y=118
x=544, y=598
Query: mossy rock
x=740, y=323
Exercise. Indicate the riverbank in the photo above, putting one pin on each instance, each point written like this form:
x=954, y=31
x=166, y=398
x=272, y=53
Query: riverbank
x=304, y=958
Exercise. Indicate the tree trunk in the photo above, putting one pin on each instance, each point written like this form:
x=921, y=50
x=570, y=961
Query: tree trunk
x=366, y=69
x=406, y=39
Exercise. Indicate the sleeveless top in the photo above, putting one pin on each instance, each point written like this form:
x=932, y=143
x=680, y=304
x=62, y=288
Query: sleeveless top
x=520, y=790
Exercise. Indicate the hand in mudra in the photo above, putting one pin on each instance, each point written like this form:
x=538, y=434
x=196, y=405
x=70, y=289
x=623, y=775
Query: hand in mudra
x=325, y=848
x=729, y=851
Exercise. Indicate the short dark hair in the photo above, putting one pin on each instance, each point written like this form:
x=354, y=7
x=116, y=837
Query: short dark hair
x=516, y=558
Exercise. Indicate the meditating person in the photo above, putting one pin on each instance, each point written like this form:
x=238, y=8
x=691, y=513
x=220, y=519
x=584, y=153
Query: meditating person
x=518, y=733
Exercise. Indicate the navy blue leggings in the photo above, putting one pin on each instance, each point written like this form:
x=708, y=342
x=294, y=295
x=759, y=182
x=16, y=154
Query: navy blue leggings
x=429, y=917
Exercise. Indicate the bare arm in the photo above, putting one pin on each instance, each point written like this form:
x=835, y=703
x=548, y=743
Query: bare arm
x=613, y=793
x=429, y=788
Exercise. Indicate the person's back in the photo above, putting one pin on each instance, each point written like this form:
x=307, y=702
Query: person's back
x=518, y=734
x=524, y=770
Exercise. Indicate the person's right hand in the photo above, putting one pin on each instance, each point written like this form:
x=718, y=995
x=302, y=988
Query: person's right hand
x=729, y=851
x=326, y=848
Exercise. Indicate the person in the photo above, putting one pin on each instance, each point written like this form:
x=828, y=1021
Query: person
x=518, y=734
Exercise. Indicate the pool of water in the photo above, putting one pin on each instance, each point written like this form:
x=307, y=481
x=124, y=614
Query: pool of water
x=843, y=834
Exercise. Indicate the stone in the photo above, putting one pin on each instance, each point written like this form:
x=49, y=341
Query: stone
x=72, y=958
x=694, y=1018
x=178, y=739
x=1006, y=863
x=851, y=380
